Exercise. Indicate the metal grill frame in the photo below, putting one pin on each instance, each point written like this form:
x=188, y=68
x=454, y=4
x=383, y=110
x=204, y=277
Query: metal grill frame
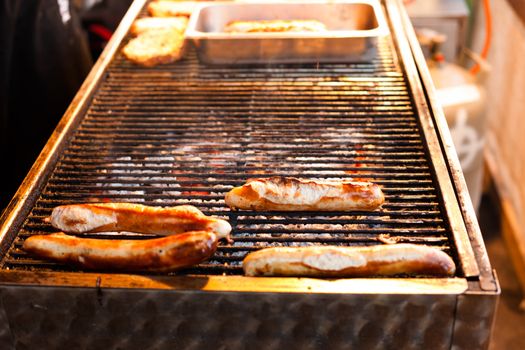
x=480, y=282
x=22, y=203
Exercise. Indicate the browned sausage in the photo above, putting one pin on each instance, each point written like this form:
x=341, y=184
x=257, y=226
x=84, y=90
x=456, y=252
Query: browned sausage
x=291, y=194
x=103, y=217
x=157, y=254
x=332, y=261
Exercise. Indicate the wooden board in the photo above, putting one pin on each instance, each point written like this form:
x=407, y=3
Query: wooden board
x=519, y=7
x=513, y=234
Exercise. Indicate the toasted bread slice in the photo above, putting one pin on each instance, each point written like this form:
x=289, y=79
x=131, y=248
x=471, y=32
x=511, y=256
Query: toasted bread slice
x=133, y=217
x=145, y=24
x=170, y=8
x=269, y=26
x=155, y=47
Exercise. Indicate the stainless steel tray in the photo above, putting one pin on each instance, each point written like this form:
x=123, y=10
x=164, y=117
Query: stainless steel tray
x=353, y=29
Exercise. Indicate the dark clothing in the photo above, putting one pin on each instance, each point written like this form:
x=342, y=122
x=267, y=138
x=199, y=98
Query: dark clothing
x=44, y=58
x=46, y=51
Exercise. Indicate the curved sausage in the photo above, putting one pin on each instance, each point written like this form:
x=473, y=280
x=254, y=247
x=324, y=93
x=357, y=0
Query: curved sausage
x=103, y=217
x=157, y=254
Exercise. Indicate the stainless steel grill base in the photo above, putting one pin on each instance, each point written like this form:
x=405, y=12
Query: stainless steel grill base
x=74, y=318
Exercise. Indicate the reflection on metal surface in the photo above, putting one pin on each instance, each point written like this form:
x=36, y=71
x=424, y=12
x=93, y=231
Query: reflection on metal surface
x=353, y=28
x=243, y=284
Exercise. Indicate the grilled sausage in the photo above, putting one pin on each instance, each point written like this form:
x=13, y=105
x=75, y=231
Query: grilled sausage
x=101, y=217
x=157, y=254
x=291, y=194
x=267, y=26
x=331, y=261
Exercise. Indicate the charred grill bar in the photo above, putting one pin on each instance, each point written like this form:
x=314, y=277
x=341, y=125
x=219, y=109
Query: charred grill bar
x=186, y=133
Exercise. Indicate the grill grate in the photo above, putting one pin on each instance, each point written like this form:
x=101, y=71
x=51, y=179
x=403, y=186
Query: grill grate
x=187, y=133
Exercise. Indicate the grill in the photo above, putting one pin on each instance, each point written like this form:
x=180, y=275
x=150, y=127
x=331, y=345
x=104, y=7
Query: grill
x=186, y=133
